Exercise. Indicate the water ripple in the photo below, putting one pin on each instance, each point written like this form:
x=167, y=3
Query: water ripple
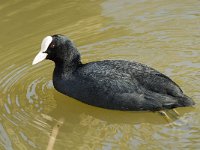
x=161, y=34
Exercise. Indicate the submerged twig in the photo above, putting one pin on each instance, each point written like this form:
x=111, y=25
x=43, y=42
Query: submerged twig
x=54, y=134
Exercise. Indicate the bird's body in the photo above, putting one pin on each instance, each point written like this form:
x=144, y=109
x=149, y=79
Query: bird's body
x=119, y=84
x=112, y=84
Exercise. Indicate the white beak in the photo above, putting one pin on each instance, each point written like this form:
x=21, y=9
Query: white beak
x=39, y=57
x=44, y=46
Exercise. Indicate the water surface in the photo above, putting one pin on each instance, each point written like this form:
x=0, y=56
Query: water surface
x=162, y=34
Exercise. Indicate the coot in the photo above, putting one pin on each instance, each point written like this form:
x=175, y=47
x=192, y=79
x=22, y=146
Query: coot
x=111, y=84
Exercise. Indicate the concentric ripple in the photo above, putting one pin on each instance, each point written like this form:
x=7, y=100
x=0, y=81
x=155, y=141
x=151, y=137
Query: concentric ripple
x=23, y=102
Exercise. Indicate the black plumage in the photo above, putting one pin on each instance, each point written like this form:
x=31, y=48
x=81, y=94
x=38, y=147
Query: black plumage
x=112, y=84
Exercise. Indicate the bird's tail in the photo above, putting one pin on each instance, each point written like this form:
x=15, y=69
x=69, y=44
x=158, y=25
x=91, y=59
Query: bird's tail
x=185, y=101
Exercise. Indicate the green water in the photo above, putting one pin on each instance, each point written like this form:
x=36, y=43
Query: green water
x=162, y=34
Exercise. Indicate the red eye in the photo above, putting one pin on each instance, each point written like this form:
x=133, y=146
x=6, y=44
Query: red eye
x=52, y=45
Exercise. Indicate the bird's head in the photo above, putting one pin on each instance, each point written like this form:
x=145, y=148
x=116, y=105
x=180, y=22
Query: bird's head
x=57, y=48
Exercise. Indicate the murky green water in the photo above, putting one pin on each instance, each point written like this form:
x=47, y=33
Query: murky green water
x=163, y=34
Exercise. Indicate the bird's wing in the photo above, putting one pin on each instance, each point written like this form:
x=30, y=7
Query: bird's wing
x=132, y=85
x=126, y=74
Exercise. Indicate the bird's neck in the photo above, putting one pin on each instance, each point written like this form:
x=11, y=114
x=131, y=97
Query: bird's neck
x=66, y=67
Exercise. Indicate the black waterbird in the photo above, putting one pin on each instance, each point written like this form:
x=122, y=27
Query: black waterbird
x=111, y=84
